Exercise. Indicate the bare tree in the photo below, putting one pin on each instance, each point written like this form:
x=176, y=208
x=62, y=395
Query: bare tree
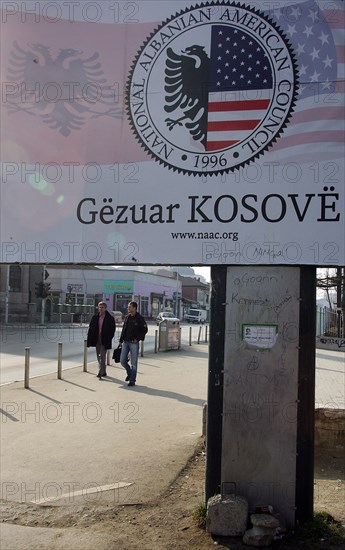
x=334, y=279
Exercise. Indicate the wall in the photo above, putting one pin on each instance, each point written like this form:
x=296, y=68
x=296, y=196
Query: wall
x=330, y=342
x=330, y=428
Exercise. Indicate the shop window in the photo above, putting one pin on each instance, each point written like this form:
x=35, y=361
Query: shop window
x=55, y=299
x=144, y=306
x=15, y=279
x=121, y=302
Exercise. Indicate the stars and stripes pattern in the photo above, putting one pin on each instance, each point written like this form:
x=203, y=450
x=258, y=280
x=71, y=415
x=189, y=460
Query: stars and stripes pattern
x=316, y=129
x=315, y=32
x=239, y=89
x=308, y=30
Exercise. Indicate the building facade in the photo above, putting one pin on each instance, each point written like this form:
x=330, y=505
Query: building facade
x=74, y=292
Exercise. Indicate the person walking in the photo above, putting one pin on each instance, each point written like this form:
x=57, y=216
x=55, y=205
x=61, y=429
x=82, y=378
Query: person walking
x=100, y=334
x=134, y=329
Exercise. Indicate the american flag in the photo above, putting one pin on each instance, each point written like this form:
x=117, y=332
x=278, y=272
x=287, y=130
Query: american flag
x=315, y=32
x=240, y=86
x=316, y=129
x=309, y=32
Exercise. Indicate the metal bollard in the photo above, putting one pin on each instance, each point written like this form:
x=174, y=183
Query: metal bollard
x=27, y=367
x=204, y=419
x=199, y=335
x=156, y=341
x=85, y=357
x=59, y=368
x=190, y=336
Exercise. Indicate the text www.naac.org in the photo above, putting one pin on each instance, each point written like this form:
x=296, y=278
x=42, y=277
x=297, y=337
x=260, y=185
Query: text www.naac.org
x=206, y=235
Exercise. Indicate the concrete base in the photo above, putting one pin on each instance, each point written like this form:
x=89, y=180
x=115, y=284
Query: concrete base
x=263, y=531
x=227, y=517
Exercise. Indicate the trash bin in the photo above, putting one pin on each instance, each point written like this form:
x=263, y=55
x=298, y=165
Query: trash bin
x=169, y=335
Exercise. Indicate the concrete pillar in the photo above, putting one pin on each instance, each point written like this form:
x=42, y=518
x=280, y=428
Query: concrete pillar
x=261, y=388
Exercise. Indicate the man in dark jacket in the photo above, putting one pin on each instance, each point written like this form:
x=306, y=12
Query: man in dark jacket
x=100, y=334
x=133, y=330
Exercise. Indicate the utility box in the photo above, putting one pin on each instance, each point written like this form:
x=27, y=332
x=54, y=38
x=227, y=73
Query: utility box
x=169, y=335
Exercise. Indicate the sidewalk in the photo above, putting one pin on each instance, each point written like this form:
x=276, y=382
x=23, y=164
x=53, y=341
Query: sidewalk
x=330, y=379
x=81, y=441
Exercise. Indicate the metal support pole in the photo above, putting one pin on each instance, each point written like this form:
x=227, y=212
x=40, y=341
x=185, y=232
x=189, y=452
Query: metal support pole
x=27, y=368
x=206, y=333
x=215, y=383
x=156, y=341
x=85, y=357
x=43, y=309
x=179, y=337
x=190, y=336
x=142, y=349
x=204, y=419
x=43, y=304
x=306, y=398
x=108, y=357
x=59, y=368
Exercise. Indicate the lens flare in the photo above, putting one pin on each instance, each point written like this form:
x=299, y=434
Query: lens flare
x=40, y=184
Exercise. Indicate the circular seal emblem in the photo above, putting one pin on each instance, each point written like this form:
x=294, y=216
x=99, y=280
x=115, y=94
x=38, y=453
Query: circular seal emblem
x=212, y=88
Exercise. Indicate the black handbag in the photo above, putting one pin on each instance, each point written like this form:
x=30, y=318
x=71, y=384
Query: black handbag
x=117, y=354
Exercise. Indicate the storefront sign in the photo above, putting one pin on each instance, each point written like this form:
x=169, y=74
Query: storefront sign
x=71, y=288
x=118, y=287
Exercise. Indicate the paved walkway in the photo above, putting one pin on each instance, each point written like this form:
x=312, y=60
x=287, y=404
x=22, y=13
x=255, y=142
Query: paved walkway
x=77, y=440
x=330, y=379
x=83, y=440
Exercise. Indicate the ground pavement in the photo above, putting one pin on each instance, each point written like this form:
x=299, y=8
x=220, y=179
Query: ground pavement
x=81, y=440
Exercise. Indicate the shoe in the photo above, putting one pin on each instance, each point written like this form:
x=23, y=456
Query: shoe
x=127, y=379
x=131, y=384
x=98, y=376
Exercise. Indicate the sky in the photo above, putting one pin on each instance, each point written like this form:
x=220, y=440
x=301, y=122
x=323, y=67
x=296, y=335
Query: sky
x=204, y=271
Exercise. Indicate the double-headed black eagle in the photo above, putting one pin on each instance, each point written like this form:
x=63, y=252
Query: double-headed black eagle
x=63, y=89
x=186, y=86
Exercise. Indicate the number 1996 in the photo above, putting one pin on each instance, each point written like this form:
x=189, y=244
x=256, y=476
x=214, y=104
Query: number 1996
x=210, y=161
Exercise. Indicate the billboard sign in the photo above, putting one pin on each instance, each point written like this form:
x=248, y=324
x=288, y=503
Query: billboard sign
x=160, y=132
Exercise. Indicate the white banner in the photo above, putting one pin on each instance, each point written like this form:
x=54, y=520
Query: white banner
x=160, y=132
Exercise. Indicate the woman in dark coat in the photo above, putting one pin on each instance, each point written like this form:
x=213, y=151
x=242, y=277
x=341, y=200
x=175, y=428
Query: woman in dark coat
x=100, y=334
